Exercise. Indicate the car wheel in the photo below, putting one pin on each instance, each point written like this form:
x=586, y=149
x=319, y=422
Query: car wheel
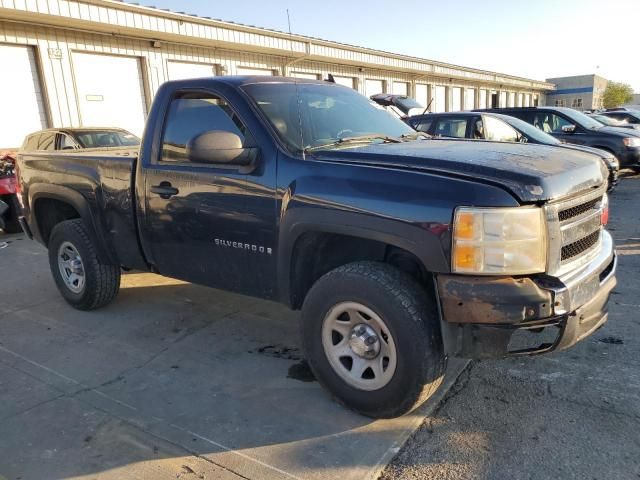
x=82, y=279
x=371, y=335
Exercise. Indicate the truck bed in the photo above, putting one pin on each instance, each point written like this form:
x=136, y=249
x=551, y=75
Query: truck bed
x=106, y=179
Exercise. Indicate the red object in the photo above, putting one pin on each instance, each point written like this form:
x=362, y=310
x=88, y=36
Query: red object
x=8, y=183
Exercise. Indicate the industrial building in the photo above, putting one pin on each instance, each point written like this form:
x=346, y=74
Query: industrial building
x=582, y=92
x=99, y=63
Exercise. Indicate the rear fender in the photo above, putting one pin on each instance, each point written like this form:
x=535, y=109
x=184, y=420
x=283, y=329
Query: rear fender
x=80, y=204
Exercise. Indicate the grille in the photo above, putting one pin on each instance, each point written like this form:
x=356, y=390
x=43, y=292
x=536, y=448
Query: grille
x=576, y=248
x=573, y=212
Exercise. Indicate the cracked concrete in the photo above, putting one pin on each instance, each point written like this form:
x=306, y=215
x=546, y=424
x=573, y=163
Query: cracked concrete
x=569, y=415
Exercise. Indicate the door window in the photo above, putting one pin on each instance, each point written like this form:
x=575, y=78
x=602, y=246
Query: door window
x=451, y=127
x=549, y=122
x=191, y=114
x=499, y=131
x=65, y=142
x=423, y=125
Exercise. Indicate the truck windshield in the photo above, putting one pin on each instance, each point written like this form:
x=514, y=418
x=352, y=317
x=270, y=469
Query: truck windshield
x=317, y=116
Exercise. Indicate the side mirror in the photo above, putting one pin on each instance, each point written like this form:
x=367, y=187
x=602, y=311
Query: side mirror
x=568, y=129
x=218, y=146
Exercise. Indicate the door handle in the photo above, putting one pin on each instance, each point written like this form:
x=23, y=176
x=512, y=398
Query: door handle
x=165, y=190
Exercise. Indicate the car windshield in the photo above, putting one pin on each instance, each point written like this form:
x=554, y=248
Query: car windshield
x=530, y=131
x=316, y=116
x=581, y=119
x=106, y=138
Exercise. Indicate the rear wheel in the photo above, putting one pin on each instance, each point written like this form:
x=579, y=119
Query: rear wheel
x=372, y=337
x=82, y=279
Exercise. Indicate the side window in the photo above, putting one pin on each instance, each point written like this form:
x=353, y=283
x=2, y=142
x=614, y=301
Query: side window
x=550, y=122
x=191, y=114
x=478, y=132
x=451, y=127
x=499, y=131
x=47, y=141
x=423, y=125
x=65, y=142
x=558, y=122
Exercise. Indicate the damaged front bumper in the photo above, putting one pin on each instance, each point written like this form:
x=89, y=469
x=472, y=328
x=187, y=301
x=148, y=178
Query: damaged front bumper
x=486, y=317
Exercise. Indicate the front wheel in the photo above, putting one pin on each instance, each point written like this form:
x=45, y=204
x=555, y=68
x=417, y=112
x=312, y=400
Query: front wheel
x=372, y=337
x=82, y=279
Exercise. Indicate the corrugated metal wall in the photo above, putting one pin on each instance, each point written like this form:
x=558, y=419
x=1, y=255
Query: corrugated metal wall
x=54, y=47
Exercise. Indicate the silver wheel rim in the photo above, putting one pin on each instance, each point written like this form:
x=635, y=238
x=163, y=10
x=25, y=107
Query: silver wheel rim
x=359, y=346
x=71, y=267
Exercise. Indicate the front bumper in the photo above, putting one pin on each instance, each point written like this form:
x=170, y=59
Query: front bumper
x=484, y=317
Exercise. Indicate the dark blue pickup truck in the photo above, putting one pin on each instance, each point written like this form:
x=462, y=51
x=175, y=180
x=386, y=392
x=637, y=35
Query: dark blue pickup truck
x=400, y=251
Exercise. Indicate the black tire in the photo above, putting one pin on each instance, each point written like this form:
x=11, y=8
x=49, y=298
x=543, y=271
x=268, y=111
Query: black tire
x=11, y=224
x=101, y=281
x=409, y=313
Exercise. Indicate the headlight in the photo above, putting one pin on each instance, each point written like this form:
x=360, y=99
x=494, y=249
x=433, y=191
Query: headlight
x=631, y=142
x=499, y=241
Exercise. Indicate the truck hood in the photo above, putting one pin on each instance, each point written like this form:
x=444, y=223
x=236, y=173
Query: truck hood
x=532, y=173
x=583, y=148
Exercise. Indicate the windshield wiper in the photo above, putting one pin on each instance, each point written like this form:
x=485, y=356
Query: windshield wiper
x=356, y=139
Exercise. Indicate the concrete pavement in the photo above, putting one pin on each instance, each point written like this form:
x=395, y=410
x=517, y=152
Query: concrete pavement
x=170, y=381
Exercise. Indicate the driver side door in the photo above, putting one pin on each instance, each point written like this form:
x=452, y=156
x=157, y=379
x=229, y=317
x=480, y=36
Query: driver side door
x=208, y=223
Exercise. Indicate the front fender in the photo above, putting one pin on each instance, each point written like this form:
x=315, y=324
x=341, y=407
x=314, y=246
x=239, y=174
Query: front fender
x=424, y=243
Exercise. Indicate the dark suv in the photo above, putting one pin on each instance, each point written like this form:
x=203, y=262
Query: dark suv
x=572, y=126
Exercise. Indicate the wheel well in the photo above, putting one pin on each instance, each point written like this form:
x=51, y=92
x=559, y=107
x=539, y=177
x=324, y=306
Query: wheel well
x=49, y=212
x=316, y=253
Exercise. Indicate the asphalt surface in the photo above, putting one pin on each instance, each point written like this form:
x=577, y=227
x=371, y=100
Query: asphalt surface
x=567, y=415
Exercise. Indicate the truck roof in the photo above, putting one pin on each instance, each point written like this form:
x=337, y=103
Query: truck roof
x=240, y=80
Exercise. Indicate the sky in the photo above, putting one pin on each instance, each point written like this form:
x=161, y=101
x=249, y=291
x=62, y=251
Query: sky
x=535, y=39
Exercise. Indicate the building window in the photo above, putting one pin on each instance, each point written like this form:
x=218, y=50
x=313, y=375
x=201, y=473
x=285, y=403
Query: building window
x=559, y=103
x=576, y=103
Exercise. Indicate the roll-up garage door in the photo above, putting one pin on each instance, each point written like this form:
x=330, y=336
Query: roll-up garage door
x=182, y=70
x=346, y=81
x=23, y=110
x=372, y=87
x=254, y=71
x=307, y=76
x=110, y=91
x=401, y=88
